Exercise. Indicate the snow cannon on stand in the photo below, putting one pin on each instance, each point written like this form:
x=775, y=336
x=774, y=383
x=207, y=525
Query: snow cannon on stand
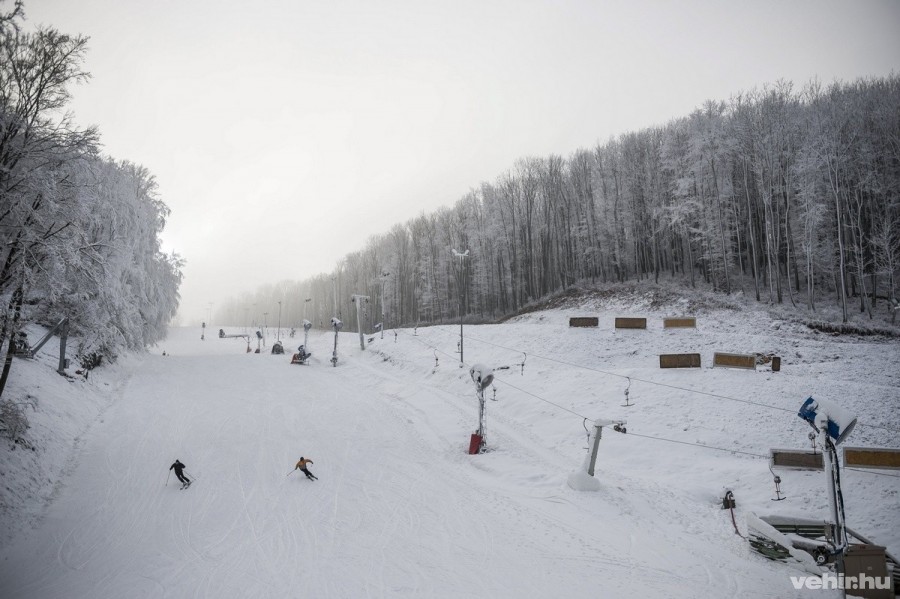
x=301, y=356
x=833, y=425
x=836, y=420
x=307, y=325
x=482, y=376
x=337, y=325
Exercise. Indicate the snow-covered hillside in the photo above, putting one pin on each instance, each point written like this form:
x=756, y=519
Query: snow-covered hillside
x=400, y=508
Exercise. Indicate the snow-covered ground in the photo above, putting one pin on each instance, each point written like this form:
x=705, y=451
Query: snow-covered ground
x=400, y=508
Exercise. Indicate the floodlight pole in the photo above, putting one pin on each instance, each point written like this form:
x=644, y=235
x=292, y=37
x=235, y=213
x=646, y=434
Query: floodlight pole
x=278, y=335
x=461, y=256
x=384, y=276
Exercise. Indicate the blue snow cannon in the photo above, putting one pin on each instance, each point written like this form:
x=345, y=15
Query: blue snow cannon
x=840, y=421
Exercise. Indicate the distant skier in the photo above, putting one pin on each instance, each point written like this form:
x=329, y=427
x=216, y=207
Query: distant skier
x=179, y=472
x=301, y=465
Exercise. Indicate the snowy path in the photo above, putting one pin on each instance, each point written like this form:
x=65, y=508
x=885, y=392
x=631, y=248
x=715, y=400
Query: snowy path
x=400, y=509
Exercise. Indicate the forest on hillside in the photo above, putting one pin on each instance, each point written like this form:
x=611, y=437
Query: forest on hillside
x=786, y=194
x=79, y=232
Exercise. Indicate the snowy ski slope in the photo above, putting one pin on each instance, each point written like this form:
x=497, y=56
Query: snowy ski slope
x=401, y=510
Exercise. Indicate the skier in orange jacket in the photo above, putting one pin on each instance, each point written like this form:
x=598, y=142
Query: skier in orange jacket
x=301, y=465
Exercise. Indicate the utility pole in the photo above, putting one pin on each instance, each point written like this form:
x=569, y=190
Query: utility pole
x=461, y=257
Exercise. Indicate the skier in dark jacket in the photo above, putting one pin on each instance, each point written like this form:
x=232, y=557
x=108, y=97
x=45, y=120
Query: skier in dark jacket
x=179, y=472
x=301, y=465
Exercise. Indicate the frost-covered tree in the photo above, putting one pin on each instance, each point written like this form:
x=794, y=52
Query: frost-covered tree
x=772, y=188
x=79, y=234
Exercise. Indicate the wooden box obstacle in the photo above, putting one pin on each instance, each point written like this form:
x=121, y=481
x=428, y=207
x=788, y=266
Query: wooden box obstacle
x=631, y=323
x=679, y=360
x=872, y=457
x=584, y=321
x=680, y=323
x=735, y=360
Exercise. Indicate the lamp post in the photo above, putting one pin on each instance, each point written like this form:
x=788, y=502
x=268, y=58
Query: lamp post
x=462, y=257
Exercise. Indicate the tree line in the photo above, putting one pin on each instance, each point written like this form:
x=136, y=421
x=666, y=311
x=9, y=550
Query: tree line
x=788, y=195
x=79, y=231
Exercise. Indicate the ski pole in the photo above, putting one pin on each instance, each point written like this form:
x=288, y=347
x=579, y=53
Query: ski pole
x=167, y=477
x=291, y=472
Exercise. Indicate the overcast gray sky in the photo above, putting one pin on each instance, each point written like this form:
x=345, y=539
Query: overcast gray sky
x=283, y=133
